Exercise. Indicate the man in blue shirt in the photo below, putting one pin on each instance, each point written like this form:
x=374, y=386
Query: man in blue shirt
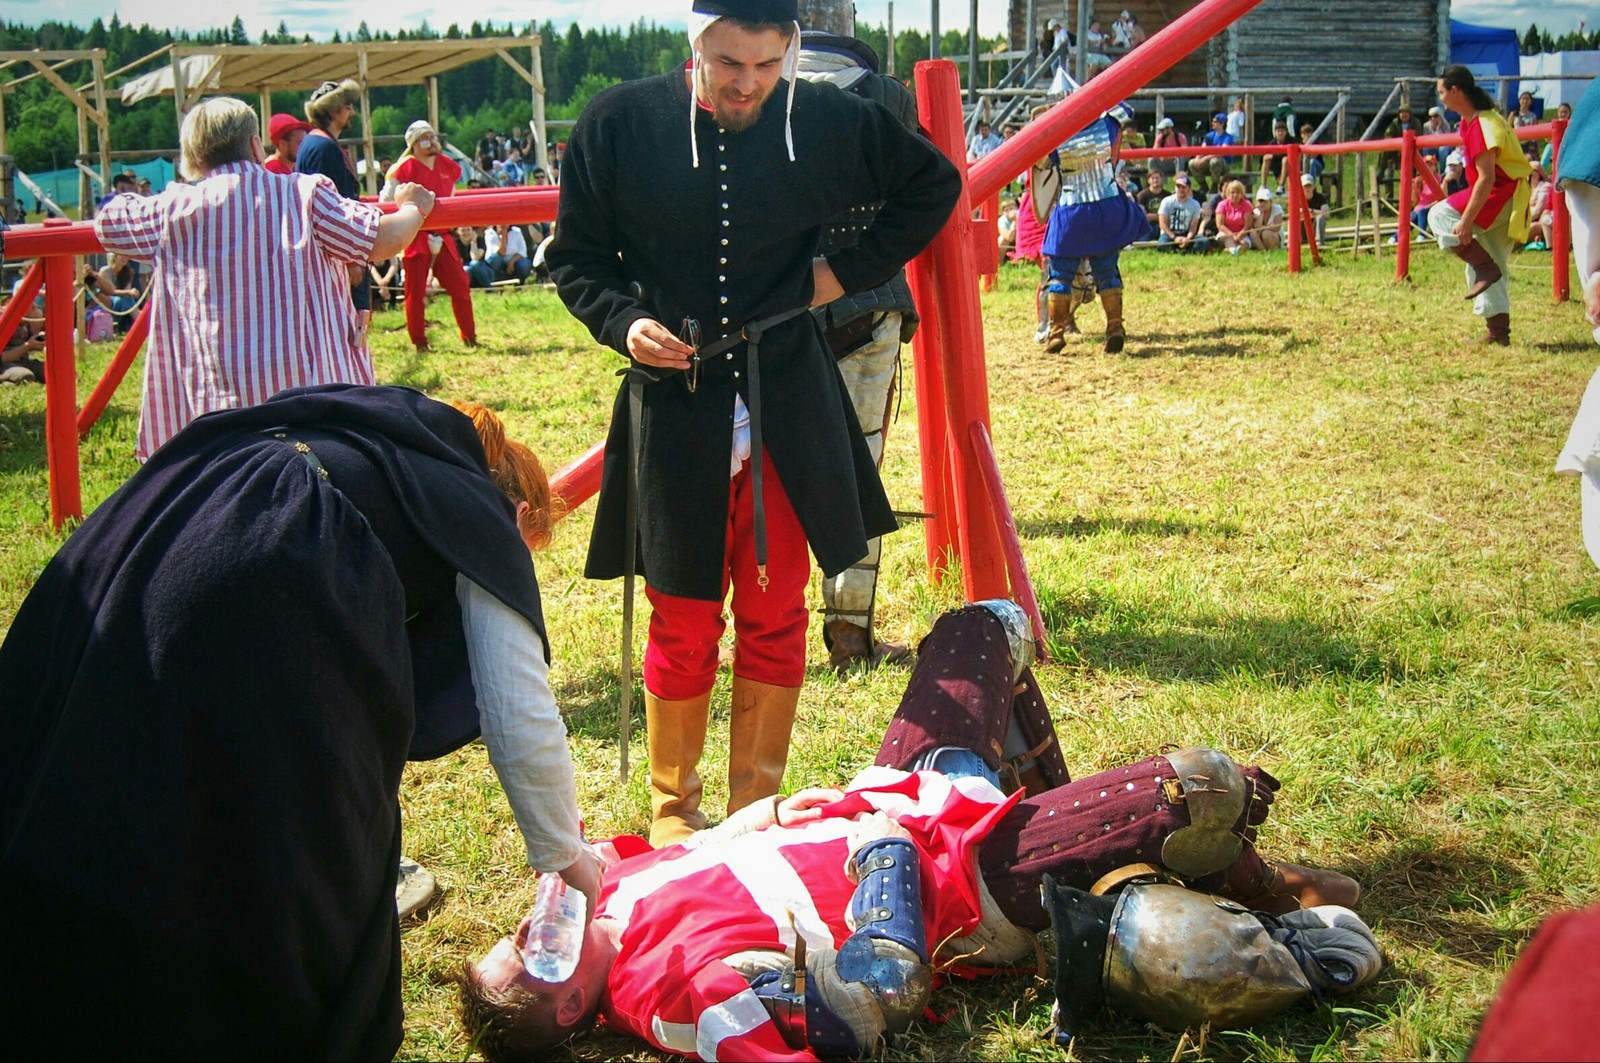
x=1215, y=166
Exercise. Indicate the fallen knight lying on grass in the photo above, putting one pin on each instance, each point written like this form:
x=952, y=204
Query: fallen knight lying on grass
x=812, y=925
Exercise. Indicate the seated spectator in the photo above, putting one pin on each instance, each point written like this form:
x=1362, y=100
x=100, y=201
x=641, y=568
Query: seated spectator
x=1540, y=216
x=1006, y=226
x=1284, y=113
x=1126, y=34
x=1179, y=219
x=1131, y=137
x=506, y=253
x=117, y=286
x=1268, y=232
x=512, y=170
x=1317, y=205
x=1455, y=173
x=469, y=246
x=1095, y=58
x=982, y=142
x=17, y=362
x=1235, y=218
x=1167, y=136
x=1208, y=215
x=1214, y=166
x=1274, y=168
x=1150, y=196
x=1437, y=125
x=1313, y=163
x=386, y=281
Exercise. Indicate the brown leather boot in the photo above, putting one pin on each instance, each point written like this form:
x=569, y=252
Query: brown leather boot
x=676, y=731
x=759, y=725
x=1291, y=886
x=851, y=644
x=1061, y=322
x=1485, y=270
x=1499, y=330
x=1111, y=299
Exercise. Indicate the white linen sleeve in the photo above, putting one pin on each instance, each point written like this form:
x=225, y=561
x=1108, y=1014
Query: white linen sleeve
x=522, y=726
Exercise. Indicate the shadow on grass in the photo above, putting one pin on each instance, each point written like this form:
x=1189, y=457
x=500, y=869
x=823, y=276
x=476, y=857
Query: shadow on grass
x=22, y=444
x=1080, y=527
x=1106, y=634
x=1562, y=347
x=1225, y=341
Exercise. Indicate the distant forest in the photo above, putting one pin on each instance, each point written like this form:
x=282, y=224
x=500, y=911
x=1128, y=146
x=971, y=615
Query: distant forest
x=42, y=129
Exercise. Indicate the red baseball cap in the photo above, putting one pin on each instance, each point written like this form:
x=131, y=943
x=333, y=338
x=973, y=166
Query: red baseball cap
x=284, y=124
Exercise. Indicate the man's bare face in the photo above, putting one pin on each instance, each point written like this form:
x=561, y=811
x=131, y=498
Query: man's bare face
x=738, y=72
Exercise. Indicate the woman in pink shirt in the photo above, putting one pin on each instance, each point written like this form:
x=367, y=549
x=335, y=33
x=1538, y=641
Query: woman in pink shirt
x=1235, y=217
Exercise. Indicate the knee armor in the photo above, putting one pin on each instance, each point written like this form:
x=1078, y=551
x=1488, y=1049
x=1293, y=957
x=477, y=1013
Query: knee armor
x=1216, y=794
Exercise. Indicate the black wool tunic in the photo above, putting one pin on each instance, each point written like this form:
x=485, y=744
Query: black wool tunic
x=728, y=243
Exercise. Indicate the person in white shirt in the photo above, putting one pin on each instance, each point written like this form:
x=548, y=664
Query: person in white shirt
x=506, y=253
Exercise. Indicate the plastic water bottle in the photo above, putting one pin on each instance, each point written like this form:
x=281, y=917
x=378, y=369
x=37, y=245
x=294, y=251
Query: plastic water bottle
x=556, y=935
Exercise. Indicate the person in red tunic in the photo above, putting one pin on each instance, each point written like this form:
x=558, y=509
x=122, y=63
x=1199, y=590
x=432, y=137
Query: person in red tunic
x=285, y=132
x=1481, y=223
x=425, y=163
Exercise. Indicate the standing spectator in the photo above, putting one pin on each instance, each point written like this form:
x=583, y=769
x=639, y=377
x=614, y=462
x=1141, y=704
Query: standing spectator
x=513, y=169
x=1149, y=199
x=1131, y=137
x=1239, y=123
x=506, y=253
x=1235, y=218
x=1480, y=225
x=1217, y=166
x=1524, y=114
x=330, y=110
x=1179, y=218
x=1167, y=136
x=1274, y=168
x=982, y=142
x=1268, y=232
x=424, y=163
x=1317, y=205
x=1126, y=34
x=121, y=184
x=1404, y=120
x=488, y=152
x=1563, y=114
x=285, y=132
x=227, y=246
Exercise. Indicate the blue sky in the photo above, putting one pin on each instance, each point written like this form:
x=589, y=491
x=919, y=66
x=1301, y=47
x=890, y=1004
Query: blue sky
x=320, y=19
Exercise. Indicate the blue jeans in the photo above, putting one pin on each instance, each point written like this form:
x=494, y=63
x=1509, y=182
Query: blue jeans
x=499, y=269
x=1107, y=275
x=479, y=274
x=1198, y=245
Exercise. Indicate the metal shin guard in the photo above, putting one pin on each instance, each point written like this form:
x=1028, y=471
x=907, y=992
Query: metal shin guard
x=959, y=694
x=888, y=951
x=1166, y=955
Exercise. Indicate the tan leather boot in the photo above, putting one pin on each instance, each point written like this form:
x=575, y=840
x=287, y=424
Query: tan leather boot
x=759, y=724
x=1061, y=322
x=851, y=644
x=1499, y=330
x=1111, y=299
x=676, y=731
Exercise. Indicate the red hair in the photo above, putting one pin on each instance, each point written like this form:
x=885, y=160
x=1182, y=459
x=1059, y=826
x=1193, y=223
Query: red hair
x=516, y=470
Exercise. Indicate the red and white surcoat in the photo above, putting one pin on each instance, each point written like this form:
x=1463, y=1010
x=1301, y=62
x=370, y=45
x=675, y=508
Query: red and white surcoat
x=685, y=911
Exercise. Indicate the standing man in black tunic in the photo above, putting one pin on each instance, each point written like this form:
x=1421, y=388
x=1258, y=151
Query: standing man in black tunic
x=692, y=206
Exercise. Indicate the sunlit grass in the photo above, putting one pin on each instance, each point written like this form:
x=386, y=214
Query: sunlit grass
x=1299, y=519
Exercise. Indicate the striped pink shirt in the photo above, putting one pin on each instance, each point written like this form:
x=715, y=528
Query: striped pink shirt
x=251, y=294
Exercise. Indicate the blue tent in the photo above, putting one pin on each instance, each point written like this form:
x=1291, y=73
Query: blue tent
x=1488, y=51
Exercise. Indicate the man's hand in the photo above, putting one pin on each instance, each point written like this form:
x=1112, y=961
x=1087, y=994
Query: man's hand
x=869, y=828
x=652, y=343
x=806, y=806
x=826, y=286
x=583, y=875
x=416, y=195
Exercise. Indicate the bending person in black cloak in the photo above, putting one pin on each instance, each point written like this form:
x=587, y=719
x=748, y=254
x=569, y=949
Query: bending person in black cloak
x=206, y=703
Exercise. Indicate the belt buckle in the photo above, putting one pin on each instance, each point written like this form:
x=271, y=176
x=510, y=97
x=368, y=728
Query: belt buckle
x=690, y=334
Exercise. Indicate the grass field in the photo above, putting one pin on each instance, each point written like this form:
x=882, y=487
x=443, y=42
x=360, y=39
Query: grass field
x=1299, y=520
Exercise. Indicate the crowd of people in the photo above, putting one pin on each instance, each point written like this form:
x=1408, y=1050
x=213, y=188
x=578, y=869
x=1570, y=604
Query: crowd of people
x=225, y=821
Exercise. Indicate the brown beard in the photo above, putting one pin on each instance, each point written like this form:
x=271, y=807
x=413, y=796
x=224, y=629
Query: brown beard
x=737, y=121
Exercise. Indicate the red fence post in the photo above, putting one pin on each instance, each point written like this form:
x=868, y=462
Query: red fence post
x=1021, y=585
x=1297, y=205
x=17, y=306
x=1560, y=221
x=1402, y=251
x=927, y=354
x=579, y=481
x=966, y=386
x=61, y=392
